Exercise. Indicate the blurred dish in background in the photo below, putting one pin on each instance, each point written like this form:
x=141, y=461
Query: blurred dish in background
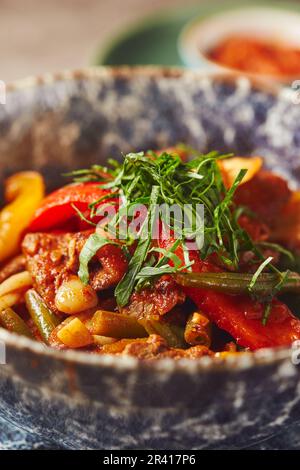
x=151, y=41
x=192, y=36
x=257, y=56
x=257, y=40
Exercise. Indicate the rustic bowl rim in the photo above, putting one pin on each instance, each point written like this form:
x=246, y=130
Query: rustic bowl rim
x=234, y=363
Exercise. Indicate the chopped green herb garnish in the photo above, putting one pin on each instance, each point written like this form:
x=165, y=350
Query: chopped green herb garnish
x=156, y=179
x=258, y=272
x=90, y=248
x=266, y=313
x=125, y=287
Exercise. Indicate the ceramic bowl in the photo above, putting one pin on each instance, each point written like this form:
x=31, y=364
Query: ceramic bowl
x=269, y=23
x=68, y=120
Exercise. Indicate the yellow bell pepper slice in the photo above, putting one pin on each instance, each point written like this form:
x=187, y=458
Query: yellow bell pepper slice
x=24, y=192
x=230, y=168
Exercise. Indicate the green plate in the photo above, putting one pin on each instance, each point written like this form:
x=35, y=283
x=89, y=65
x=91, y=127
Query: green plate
x=154, y=41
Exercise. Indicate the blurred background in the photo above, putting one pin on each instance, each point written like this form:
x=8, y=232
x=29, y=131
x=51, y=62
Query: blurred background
x=49, y=35
x=38, y=36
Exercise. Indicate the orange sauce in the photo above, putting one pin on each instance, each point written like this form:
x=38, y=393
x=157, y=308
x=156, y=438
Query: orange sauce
x=257, y=56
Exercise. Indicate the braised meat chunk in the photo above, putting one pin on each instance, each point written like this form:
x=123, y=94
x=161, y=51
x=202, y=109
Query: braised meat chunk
x=156, y=300
x=53, y=258
x=154, y=347
x=13, y=266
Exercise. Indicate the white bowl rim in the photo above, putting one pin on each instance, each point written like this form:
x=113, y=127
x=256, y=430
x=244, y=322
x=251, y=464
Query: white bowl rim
x=193, y=56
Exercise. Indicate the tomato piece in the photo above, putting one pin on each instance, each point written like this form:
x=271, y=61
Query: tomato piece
x=56, y=209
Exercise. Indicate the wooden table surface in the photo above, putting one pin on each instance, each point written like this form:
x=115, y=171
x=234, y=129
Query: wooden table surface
x=38, y=36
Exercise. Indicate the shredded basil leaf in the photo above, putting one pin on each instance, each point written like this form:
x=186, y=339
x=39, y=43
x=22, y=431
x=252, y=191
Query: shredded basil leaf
x=151, y=178
x=90, y=248
x=125, y=287
x=266, y=313
x=258, y=272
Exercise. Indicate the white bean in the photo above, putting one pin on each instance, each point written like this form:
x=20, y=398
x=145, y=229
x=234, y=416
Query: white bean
x=73, y=296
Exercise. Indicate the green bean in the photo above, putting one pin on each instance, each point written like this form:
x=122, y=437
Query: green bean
x=116, y=325
x=238, y=283
x=173, y=334
x=10, y=320
x=43, y=318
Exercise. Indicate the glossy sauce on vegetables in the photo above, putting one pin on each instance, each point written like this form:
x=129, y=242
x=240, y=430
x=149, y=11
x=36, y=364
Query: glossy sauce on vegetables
x=69, y=283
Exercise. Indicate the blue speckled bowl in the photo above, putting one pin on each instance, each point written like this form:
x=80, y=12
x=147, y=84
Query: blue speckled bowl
x=88, y=401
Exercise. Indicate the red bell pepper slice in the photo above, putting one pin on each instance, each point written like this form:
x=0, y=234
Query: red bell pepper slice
x=56, y=209
x=239, y=315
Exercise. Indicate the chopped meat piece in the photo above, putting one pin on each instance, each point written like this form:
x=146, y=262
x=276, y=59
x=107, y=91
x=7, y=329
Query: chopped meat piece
x=106, y=269
x=47, y=261
x=265, y=194
x=119, y=346
x=153, y=347
x=155, y=301
x=52, y=258
x=195, y=352
x=113, y=267
x=287, y=228
x=258, y=231
x=13, y=266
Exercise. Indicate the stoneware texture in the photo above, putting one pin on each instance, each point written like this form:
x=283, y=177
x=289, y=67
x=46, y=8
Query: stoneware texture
x=78, y=400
